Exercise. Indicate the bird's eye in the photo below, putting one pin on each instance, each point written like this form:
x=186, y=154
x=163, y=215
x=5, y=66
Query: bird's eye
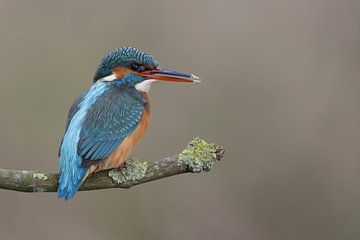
x=137, y=67
x=142, y=68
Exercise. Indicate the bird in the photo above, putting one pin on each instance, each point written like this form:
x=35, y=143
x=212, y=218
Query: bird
x=107, y=121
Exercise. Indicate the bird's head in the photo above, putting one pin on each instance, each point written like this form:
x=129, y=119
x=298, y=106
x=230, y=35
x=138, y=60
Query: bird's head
x=133, y=67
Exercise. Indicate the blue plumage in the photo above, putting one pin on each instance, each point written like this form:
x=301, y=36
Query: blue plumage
x=74, y=108
x=111, y=119
x=71, y=172
x=98, y=122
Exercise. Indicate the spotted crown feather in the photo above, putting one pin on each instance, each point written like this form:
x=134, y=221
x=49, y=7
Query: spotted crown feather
x=124, y=56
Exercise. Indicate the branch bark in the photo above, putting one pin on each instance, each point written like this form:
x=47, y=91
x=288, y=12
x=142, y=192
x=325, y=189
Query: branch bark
x=185, y=162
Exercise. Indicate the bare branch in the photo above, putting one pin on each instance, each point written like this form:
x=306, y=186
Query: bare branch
x=196, y=157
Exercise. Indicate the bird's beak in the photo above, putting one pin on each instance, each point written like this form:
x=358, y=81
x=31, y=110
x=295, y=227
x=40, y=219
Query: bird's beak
x=165, y=74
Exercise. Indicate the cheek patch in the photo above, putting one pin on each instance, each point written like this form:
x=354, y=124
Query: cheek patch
x=119, y=72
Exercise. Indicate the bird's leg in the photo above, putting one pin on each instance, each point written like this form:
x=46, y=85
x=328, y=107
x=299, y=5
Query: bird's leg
x=117, y=168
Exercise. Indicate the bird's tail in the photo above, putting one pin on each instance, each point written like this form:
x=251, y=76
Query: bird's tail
x=72, y=175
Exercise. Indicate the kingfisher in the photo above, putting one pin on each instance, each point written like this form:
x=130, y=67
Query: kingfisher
x=106, y=122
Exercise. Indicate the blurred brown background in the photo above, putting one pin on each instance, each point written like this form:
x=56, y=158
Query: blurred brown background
x=280, y=90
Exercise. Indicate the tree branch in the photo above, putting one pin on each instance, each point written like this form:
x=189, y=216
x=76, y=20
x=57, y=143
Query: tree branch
x=196, y=157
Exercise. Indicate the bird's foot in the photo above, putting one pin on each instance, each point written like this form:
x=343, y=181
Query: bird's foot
x=119, y=167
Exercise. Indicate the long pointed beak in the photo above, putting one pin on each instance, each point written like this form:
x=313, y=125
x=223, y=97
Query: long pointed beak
x=165, y=74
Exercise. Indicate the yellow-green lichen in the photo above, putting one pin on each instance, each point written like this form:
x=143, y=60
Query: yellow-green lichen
x=198, y=156
x=39, y=176
x=131, y=171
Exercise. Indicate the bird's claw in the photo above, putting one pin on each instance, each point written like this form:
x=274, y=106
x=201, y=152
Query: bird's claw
x=119, y=167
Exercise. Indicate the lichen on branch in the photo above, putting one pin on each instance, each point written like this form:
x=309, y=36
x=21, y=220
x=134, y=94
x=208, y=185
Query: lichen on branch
x=132, y=170
x=196, y=157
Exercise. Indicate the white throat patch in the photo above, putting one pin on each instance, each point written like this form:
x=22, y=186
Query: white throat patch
x=109, y=78
x=145, y=86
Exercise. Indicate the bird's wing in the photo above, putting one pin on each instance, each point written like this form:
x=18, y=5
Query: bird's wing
x=113, y=117
x=73, y=110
